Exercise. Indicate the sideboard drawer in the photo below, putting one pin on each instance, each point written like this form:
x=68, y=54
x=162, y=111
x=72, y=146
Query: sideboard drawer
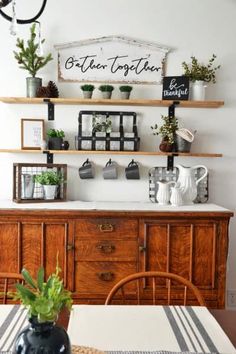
x=105, y=250
x=106, y=226
x=99, y=277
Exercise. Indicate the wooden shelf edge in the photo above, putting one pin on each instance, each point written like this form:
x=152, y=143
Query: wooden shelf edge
x=114, y=102
x=106, y=152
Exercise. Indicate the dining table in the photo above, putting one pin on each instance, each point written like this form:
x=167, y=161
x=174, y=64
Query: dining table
x=128, y=329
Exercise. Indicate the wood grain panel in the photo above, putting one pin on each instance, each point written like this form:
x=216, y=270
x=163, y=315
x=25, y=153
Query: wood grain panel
x=31, y=246
x=103, y=227
x=88, y=276
x=156, y=247
x=9, y=246
x=105, y=250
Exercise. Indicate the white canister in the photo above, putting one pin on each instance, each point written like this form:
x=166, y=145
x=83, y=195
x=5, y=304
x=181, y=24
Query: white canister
x=198, y=90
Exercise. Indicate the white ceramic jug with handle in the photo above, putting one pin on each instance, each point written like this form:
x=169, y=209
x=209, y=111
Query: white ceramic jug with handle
x=163, y=193
x=176, y=196
x=188, y=184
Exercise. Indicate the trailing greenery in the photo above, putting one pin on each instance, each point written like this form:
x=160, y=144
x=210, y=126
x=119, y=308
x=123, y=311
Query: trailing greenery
x=125, y=88
x=87, y=87
x=196, y=71
x=43, y=300
x=106, y=88
x=52, y=178
x=167, y=129
x=101, y=124
x=55, y=133
x=27, y=56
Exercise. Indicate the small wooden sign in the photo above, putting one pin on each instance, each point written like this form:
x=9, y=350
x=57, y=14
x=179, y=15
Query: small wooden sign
x=175, y=88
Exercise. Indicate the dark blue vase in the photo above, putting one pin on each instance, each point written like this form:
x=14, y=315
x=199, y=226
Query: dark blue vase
x=42, y=338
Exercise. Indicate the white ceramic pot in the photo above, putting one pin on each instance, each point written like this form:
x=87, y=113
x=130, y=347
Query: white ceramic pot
x=49, y=191
x=163, y=193
x=198, y=90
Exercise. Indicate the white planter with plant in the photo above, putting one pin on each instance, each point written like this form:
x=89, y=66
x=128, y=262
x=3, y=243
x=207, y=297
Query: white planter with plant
x=199, y=75
x=29, y=59
x=106, y=91
x=44, y=301
x=50, y=181
x=125, y=91
x=87, y=90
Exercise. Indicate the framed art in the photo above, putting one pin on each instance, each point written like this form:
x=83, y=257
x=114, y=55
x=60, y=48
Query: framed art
x=32, y=133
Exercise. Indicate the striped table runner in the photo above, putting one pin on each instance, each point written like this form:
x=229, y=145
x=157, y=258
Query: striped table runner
x=144, y=329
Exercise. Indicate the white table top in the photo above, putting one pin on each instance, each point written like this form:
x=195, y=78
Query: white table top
x=147, y=328
x=111, y=206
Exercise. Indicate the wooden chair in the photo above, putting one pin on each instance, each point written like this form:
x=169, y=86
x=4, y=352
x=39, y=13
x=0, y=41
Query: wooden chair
x=7, y=281
x=154, y=275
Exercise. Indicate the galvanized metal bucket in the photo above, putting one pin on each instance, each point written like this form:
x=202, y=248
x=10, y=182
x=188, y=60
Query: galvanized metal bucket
x=32, y=85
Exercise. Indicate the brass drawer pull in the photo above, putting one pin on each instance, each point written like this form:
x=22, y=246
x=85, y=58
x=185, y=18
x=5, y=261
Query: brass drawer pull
x=106, y=227
x=106, y=276
x=142, y=248
x=106, y=247
x=70, y=247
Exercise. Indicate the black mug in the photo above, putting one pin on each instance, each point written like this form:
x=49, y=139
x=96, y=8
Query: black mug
x=132, y=170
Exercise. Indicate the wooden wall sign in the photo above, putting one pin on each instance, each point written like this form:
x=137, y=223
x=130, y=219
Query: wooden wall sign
x=175, y=88
x=111, y=59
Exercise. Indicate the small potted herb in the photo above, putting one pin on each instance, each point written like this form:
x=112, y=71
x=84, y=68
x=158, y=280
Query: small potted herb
x=50, y=181
x=200, y=74
x=167, y=131
x=125, y=91
x=29, y=59
x=87, y=90
x=55, y=139
x=44, y=301
x=106, y=91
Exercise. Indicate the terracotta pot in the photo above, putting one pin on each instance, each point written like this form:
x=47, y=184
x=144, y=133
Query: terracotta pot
x=165, y=146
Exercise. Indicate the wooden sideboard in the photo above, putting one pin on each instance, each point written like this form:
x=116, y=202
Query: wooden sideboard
x=98, y=248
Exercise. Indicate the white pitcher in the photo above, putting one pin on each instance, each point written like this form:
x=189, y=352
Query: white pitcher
x=176, y=196
x=187, y=182
x=163, y=193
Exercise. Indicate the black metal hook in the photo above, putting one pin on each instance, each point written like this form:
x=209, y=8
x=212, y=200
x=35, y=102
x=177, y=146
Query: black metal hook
x=20, y=21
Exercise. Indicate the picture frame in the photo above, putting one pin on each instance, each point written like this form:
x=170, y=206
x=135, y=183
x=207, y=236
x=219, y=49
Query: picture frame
x=32, y=133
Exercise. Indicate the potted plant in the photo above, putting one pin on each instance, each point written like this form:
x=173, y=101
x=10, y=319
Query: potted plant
x=44, y=301
x=167, y=131
x=50, y=180
x=125, y=91
x=55, y=139
x=87, y=90
x=106, y=91
x=29, y=59
x=200, y=74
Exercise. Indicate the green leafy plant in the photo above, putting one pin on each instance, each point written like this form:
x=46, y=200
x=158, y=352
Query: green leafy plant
x=43, y=300
x=27, y=56
x=87, y=87
x=106, y=88
x=52, y=178
x=196, y=71
x=167, y=129
x=101, y=124
x=125, y=88
x=55, y=133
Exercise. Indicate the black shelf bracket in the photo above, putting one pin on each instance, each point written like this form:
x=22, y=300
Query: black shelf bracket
x=170, y=162
x=171, y=110
x=49, y=156
x=170, y=158
x=50, y=108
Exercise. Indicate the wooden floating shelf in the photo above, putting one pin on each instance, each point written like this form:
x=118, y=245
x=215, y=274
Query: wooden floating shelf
x=106, y=152
x=114, y=102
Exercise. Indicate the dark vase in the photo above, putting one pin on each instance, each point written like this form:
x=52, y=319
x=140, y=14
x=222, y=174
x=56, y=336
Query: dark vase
x=55, y=143
x=42, y=338
x=165, y=146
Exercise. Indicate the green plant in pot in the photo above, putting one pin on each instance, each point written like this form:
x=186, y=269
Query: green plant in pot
x=199, y=75
x=50, y=181
x=44, y=301
x=106, y=91
x=167, y=132
x=55, y=139
x=29, y=60
x=125, y=91
x=87, y=90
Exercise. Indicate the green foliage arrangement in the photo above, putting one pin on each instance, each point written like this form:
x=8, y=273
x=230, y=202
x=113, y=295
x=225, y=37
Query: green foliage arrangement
x=167, y=129
x=87, y=87
x=52, y=178
x=101, y=124
x=106, y=88
x=196, y=71
x=27, y=56
x=125, y=88
x=55, y=133
x=43, y=300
